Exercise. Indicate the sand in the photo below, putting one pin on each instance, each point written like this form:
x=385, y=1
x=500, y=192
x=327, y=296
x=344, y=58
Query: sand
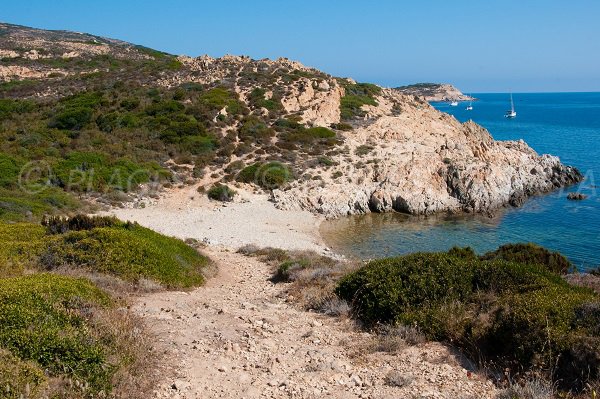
x=250, y=219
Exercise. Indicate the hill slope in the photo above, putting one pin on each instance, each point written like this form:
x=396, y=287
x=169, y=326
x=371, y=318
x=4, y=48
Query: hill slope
x=434, y=92
x=107, y=118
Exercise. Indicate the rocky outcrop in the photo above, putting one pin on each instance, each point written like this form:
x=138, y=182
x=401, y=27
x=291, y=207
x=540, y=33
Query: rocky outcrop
x=434, y=92
x=423, y=161
x=400, y=154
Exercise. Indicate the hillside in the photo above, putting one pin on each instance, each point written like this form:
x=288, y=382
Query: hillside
x=110, y=121
x=433, y=92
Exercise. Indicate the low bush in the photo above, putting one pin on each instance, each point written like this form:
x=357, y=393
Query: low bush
x=61, y=337
x=362, y=150
x=257, y=99
x=311, y=277
x=270, y=175
x=43, y=320
x=9, y=171
x=532, y=254
x=342, y=126
x=357, y=95
x=128, y=251
x=62, y=225
x=17, y=205
x=221, y=192
x=100, y=244
x=513, y=315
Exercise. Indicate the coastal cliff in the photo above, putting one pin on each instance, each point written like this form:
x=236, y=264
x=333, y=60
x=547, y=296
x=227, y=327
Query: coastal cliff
x=339, y=147
x=433, y=92
x=421, y=161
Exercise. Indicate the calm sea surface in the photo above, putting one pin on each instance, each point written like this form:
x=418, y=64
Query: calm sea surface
x=562, y=124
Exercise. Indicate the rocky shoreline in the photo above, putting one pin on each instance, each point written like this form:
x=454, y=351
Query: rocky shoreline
x=421, y=161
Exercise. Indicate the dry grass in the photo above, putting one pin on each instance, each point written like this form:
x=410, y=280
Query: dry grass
x=397, y=379
x=311, y=277
x=393, y=339
x=137, y=375
x=534, y=388
x=587, y=280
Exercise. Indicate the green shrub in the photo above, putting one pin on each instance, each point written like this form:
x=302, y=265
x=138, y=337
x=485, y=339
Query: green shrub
x=532, y=254
x=10, y=107
x=18, y=205
x=357, y=95
x=465, y=253
x=60, y=225
x=198, y=145
x=257, y=100
x=128, y=251
x=93, y=171
x=221, y=192
x=218, y=98
x=269, y=175
x=255, y=130
x=72, y=118
x=514, y=315
x=342, y=126
x=19, y=378
x=325, y=161
x=285, y=270
x=9, y=171
x=319, y=132
x=363, y=150
x=21, y=244
x=44, y=320
x=165, y=107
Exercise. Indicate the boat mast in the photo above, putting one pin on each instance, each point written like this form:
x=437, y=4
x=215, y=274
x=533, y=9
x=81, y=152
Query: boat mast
x=512, y=105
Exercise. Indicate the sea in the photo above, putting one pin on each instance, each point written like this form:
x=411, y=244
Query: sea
x=562, y=124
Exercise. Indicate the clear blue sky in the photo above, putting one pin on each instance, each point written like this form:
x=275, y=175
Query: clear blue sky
x=480, y=46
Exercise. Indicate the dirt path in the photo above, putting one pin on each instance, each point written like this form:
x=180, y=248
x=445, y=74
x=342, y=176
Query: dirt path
x=237, y=337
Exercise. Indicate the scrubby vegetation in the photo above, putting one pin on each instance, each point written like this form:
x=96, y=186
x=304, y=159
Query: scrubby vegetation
x=102, y=245
x=356, y=95
x=519, y=316
x=221, y=192
x=268, y=175
x=312, y=277
x=59, y=336
x=532, y=254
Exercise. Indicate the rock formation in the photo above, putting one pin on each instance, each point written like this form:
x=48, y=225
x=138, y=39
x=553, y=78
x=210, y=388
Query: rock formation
x=394, y=152
x=434, y=92
x=423, y=161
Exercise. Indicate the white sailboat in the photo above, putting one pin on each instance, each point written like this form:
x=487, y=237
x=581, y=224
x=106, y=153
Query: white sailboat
x=454, y=103
x=511, y=113
x=470, y=106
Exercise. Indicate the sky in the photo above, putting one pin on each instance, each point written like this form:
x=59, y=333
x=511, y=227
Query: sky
x=479, y=46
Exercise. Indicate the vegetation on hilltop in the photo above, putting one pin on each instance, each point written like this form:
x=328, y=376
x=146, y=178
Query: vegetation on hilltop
x=356, y=95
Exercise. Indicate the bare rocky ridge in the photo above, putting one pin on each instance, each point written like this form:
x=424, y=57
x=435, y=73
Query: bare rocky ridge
x=434, y=92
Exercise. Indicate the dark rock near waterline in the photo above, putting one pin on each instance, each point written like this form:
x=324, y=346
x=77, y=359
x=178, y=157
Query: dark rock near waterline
x=576, y=196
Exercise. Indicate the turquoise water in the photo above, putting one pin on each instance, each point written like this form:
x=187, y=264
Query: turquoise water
x=562, y=124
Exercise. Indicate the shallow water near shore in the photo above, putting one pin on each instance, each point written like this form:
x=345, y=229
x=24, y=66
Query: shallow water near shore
x=562, y=124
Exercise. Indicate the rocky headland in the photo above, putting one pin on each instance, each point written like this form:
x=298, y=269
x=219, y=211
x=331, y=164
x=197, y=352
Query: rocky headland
x=434, y=92
x=348, y=147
